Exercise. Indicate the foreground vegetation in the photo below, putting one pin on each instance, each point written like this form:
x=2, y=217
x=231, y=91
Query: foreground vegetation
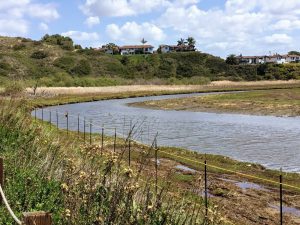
x=56, y=61
x=79, y=185
x=283, y=102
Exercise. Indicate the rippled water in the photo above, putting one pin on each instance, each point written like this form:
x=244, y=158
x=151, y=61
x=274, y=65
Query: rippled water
x=271, y=141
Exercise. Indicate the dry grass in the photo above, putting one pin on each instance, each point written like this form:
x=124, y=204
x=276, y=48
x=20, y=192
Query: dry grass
x=153, y=88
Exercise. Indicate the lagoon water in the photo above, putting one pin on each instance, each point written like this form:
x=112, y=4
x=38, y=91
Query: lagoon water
x=271, y=141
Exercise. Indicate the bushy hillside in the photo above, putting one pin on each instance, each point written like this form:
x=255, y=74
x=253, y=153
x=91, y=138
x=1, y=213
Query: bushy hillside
x=57, y=62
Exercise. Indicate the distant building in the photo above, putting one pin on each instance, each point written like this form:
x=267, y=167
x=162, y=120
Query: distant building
x=169, y=48
x=136, y=49
x=276, y=58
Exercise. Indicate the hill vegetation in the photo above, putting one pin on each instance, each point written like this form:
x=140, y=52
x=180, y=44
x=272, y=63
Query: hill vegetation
x=56, y=61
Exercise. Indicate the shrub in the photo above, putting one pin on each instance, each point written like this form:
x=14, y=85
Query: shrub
x=14, y=88
x=39, y=55
x=82, y=68
x=65, y=62
x=18, y=47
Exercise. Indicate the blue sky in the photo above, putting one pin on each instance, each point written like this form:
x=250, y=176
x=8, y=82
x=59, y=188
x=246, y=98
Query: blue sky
x=221, y=27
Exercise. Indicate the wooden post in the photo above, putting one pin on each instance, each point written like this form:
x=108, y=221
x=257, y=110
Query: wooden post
x=67, y=116
x=78, y=124
x=50, y=118
x=57, y=120
x=1, y=176
x=129, y=152
x=102, y=141
x=156, y=168
x=37, y=218
x=91, y=132
x=84, y=129
x=42, y=114
x=34, y=114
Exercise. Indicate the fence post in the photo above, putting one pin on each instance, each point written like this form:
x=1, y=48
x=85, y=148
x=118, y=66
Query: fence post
x=1, y=176
x=67, y=116
x=205, y=188
x=57, y=120
x=37, y=218
x=156, y=167
x=78, y=124
x=281, y=198
x=84, y=129
x=42, y=114
x=91, y=132
x=50, y=118
x=102, y=141
x=35, y=114
x=115, y=140
x=129, y=151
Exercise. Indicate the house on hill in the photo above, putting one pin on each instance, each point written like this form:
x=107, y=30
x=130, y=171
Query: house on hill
x=276, y=58
x=136, y=49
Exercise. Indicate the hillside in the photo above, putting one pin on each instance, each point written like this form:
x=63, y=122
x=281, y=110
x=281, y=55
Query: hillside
x=54, y=62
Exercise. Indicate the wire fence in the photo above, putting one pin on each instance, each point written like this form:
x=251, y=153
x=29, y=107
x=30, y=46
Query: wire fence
x=132, y=132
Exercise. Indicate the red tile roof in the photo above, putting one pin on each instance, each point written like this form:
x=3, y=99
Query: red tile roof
x=135, y=46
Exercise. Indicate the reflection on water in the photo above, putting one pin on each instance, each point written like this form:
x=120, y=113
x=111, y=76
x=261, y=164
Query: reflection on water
x=271, y=141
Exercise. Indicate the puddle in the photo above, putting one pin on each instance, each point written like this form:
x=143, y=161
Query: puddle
x=285, y=209
x=248, y=185
x=245, y=185
x=185, y=168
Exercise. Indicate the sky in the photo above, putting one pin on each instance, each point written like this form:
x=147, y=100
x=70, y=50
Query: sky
x=220, y=27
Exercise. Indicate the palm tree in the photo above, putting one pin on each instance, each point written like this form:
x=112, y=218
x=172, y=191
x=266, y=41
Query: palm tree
x=143, y=41
x=182, y=44
x=191, y=43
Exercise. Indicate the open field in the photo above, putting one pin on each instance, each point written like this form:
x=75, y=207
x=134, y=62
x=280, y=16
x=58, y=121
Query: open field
x=213, y=86
x=284, y=102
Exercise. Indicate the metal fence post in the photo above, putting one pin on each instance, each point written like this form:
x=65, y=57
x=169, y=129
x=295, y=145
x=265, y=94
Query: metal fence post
x=57, y=120
x=1, y=176
x=91, y=132
x=156, y=168
x=129, y=151
x=115, y=140
x=281, y=198
x=50, y=118
x=102, y=141
x=78, y=124
x=205, y=188
x=84, y=129
x=67, y=117
x=42, y=114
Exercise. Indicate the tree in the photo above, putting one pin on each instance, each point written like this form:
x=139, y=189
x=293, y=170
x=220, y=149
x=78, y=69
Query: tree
x=294, y=53
x=191, y=43
x=181, y=42
x=143, y=41
x=113, y=47
x=232, y=60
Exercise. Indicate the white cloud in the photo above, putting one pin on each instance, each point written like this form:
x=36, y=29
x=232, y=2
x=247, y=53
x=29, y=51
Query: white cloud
x=13, y=27
x=15, y=14
x=43, y=26
x=286, y=25
x=242, y=26
x=278, y=39
x=92, y=21
x=132, y=32
x=82, y=36
x=118, y=8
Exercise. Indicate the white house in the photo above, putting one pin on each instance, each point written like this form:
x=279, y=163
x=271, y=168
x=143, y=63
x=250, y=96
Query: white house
x=276, y=58
x=168, y=48
x=136, y=49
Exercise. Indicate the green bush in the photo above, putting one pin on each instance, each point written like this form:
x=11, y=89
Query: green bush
x=39, y=55
x=14, y=88
x=18, y=47
x=65, y=62
x=82, y=68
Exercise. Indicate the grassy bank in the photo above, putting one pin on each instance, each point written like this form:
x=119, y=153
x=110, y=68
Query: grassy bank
x=72, y=165
x=284, y=102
